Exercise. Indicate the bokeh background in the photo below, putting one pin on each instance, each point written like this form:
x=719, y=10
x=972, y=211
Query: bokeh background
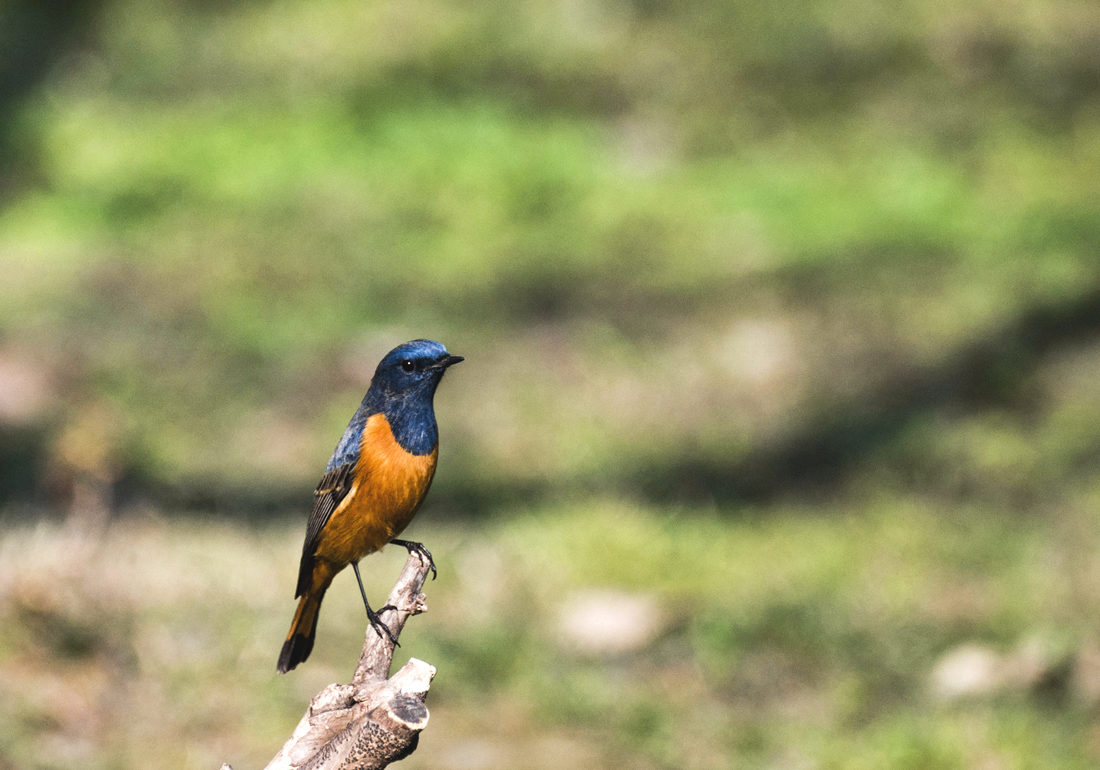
x=778, y=440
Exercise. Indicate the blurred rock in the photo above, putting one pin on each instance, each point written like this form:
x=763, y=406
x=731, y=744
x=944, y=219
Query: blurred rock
x=974, y=670
x=611, y=621
x=760, y=352
x=967, y=671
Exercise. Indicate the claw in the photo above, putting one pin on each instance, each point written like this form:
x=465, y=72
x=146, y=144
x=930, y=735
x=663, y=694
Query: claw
x=380, y=627
x=419, y=550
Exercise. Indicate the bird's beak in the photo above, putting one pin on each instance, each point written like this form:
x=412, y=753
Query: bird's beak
x=449, y=361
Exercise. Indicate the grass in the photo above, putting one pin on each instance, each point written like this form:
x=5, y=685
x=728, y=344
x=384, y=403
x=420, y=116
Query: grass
x=789, y=637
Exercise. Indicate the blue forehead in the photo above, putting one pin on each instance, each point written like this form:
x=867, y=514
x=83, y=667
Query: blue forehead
x=415, y=350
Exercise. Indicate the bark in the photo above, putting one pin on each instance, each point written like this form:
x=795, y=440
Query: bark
x=375, y=720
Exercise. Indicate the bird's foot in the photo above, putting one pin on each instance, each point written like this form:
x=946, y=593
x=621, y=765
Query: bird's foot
x=379, y=627
x=419, y=550
x=375, y=621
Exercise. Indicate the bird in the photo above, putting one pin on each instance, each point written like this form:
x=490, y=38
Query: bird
x=373, y=485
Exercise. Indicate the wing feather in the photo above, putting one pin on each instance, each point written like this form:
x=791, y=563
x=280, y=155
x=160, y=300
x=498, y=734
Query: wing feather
x=332, y=490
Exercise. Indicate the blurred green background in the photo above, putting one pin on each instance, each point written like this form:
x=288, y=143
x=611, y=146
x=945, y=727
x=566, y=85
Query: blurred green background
x=778, y=440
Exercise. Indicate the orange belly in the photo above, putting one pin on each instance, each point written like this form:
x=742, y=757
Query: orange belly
x=390, y=484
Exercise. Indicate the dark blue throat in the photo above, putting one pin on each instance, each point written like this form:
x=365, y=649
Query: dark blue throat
x=411, y=417
x=412, y=420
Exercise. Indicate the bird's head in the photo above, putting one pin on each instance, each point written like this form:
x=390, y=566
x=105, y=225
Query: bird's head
x=412, y=369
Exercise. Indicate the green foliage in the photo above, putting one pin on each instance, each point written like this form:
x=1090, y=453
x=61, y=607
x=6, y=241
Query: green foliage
x=233, y=211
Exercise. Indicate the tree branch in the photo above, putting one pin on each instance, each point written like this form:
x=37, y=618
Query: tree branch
x=374, y=720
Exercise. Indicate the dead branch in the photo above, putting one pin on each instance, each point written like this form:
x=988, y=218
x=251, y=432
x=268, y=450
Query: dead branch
x=373, y=721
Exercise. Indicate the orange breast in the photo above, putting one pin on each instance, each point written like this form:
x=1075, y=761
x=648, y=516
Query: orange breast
x=390, y=484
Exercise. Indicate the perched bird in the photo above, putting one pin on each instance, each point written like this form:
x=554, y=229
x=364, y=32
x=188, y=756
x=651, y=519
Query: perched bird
x=373, y=485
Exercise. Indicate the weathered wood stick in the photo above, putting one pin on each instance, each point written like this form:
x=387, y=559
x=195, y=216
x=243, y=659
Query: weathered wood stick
x=373, y=721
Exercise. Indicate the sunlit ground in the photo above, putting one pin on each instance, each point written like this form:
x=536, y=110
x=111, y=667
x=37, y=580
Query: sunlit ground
x=781, y=638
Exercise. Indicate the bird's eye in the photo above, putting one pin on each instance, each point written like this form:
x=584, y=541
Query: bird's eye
x=407, y=366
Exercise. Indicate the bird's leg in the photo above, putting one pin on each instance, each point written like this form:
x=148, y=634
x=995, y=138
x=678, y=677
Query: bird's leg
x=375, y=621
x=419, y=550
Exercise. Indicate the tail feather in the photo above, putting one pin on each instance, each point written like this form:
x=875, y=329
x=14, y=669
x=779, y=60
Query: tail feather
x=299, y=641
